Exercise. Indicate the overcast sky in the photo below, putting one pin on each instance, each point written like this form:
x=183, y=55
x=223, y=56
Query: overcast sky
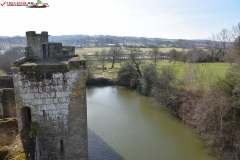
x=185, y=19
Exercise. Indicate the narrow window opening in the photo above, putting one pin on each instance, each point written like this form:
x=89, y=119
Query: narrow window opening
x=26, y=116
x=29, y=115
x=48, y=75
x=44, y=114
x=40, y=152
x=49, y=55
x=61, y=145
x=44, y=51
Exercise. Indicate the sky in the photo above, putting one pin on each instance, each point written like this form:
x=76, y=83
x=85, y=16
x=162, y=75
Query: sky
x=172, y=19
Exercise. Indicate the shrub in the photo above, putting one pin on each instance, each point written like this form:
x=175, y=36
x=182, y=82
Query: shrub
x=128, y=76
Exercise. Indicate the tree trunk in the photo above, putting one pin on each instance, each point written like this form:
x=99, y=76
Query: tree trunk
x=113, y=61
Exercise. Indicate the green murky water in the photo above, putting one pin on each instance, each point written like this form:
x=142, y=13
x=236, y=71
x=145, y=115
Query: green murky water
x=124, y=125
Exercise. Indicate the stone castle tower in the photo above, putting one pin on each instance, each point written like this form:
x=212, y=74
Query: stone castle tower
x=50, y=95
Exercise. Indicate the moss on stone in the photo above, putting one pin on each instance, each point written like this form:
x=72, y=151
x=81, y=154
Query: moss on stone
x=8, y=123
x=3, y=152
x=23, y=146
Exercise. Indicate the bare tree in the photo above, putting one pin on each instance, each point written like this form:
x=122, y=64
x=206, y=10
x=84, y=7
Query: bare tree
x=224, y=37
x=234, y=52
x=89, y=66
x=114, y=53
x=174, y=55
x=211, y=119
x=156, y=54
x=236, y=31
x=9, y=56
x=221, y=45
x=183, y=56
x=193, y=55
x=232, y=56
x=149, y=78
x=192, y=75
x=97, y=53
x=213, y=47
x=236, y=46
x=134, y=56
x=236, y=40
x=102, y=57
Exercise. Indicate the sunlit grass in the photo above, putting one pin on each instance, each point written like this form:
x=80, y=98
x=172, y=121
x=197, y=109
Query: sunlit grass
x=209, y=71
x=218, y=69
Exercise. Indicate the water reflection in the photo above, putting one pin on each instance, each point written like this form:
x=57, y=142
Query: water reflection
x=99, y=150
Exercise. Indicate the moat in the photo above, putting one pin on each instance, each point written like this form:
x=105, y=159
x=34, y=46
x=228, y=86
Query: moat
x=123, y=124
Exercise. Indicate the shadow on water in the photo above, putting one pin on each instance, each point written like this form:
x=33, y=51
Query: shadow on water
x=99, y=150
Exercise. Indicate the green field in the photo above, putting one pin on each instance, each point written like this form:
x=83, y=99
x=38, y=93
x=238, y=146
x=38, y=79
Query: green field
x=89, y=50
x=218, y=69
x=164, y=50
x=144, y=50
x=207, y=71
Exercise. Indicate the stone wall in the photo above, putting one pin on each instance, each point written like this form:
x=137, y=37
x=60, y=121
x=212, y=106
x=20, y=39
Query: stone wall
x=7, y=97
x=8, y=131
x=6, y=81
x=1, y=106
x=54, y=50
x=57, y=102
x=7, y=103
x=34, y=44
x=68, y=50
x=23, y=146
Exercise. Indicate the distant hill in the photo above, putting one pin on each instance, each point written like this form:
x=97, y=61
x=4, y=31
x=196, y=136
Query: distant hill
x=103, y=40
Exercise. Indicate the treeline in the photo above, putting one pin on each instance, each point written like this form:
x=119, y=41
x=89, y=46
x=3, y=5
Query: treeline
x=224, y=45
x=213, y=110
x=220, y=47
x=9, y=56
x=190, y=56
x=9, y=42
